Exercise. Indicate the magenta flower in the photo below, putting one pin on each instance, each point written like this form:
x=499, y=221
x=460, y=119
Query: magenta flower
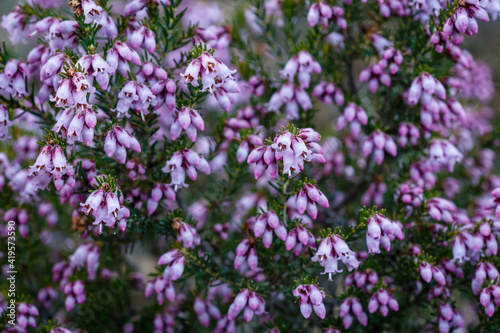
x=300, y=239
x=327, y=92
x=91, y=11
x=291, y=96
x=206, y=309
x=115, y=142
x=303, y=64
x=449, y=318
x=382, y=301
x=408, y=132
x=332, y=249
x=463, y=20
x=378, y=142
x=188, y=120
x=441, y=209
x=164, y=90
x=423, y=88
x=381, y=230
x=158, y=192
x=292, y=149
x=311, y=298
x=186, y=233
x=75, y=294
x=163, y=288
x=266, y=224
x=250, y=302
x=429, y=272
x=213, y=72
x=351, y=307
x=246, y=252
x=106, y=206
x=307, y=198
x=444, y=154
x=319, y=13
x=118, y=57
x=86, y=255
x=182, y=162
x=353, y=115
x=5, y=123
x=175, y=262
x=12, y=79
x=26, y=314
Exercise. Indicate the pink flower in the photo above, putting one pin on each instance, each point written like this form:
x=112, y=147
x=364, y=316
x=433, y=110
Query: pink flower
x=12, y=79
x=374, y=194
x=449, y=318
x=408, y=132
x=175, y=263
x=158, y=192
x=291, y=96
x=145, y=37
x=444, y=154
x=73, y=91
x=5, y=123
x=206, y=309
x=292, y=149
x=349, y=308
x=429, y=272
x=246, y=252
x=353, y=115
x=307, y=197
x=186, y=233
x=188, y=120
x=319, y=13
x=382, y=301
x=303, y=64
x=75, y=293
x=118, y=57
x=298, y=239
x=91, y=11
x=381, y=230
x=163, y=288
x=164, y=90
x=250, y=302
x=423, y=87
x=410, y=194
x=327, y=92
x=330, y=250
x=441, y=209
x=266, y=224
x=182, y=162
x=115, y=142
x=257, y=85
x=213, y=72
x=106, y=206
x=378, y=142
x=311, y=298
x=26, y=314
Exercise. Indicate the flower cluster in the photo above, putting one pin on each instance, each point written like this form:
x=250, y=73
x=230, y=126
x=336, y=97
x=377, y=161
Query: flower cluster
x=332, y=249
x=266, y=224
x=250, y=302
x=182, y=162
x=105, y=204
x=381, y=231
x=292, y=149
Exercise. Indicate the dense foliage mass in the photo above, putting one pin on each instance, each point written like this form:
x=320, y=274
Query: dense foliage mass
x=176, y=166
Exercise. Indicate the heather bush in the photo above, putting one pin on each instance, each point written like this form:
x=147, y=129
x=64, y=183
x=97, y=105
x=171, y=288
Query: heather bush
x=247, y=166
